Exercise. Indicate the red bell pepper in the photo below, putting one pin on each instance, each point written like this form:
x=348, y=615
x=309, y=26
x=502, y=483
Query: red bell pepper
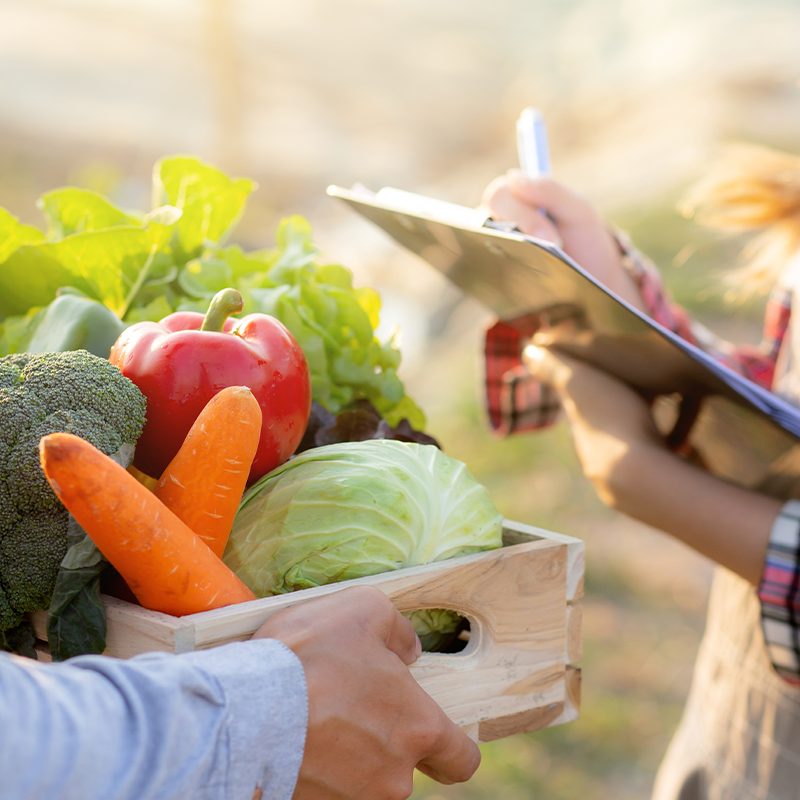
x=181, y=362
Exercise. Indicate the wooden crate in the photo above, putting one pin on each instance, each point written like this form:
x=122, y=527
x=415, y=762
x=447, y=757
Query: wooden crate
x=517, y=672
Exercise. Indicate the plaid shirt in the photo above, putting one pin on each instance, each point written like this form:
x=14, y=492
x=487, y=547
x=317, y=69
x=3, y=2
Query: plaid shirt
x=517, y=402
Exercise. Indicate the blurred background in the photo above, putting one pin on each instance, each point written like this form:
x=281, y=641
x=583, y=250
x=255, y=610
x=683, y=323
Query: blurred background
x=638, y=97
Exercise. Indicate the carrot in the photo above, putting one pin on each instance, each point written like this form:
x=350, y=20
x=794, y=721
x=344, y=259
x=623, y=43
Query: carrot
x=167, y=567
x=204, y=482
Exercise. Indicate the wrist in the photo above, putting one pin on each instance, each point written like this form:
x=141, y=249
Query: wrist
x=629, y=478
x=722, y=521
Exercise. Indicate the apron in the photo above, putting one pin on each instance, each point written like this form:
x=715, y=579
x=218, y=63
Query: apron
x=739, y=738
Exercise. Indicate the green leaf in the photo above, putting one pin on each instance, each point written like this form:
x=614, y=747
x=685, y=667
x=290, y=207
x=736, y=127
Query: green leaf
x=110, y=262
x=31, y=275
x=164, y=215
x=437, y=628
x=155, y=310
x=162, y=272
x=71, y=210
x=189, y=304
x=74, y=322
x=335, y=275
x=20, y=639
x=268, y=301
x=206, y=277
x=370, y=302
x=105, y=264
x=14, y=233
x=345, y=370
x=295, y=249
x=255, y=264
x=321, y=303
x=406, y=409
x=16, y=332
x=211, y=201
x=77, y=618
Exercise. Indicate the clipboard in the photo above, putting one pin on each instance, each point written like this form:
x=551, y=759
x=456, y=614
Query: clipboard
x=735, y=428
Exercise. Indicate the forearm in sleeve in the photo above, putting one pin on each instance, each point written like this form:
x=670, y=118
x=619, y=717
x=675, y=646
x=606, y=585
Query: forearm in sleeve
x=210, y=725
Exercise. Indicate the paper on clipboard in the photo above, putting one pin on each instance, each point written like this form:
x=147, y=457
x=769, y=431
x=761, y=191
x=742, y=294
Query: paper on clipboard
x=739, y=430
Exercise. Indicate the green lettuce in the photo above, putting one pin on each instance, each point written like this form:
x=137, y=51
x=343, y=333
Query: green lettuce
x=146, y=264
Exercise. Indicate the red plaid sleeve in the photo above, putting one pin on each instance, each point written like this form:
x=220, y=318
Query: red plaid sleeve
x=517, y=402
x=514, y=400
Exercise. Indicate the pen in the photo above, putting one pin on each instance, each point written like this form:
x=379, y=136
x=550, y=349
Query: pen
x=532, y=149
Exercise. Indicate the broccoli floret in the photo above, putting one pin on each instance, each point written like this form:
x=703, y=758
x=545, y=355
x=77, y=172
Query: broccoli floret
x=10, y=367
x=43, y=393
x=31, y=555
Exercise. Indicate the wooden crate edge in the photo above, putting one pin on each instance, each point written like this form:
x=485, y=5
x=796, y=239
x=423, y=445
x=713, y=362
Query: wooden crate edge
x=560, y=703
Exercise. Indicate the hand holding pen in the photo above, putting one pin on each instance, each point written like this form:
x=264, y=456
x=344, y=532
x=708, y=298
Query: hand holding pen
x=514, y=198
x=540, y=206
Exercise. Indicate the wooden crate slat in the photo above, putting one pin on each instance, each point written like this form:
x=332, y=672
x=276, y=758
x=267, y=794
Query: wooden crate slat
x=531, y=719
x=574, y=629
x=522, y=601
x=240, y=621
x=572, y=686
x=518, y=532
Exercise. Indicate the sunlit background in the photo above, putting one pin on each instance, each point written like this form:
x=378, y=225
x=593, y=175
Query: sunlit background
x=638, y=96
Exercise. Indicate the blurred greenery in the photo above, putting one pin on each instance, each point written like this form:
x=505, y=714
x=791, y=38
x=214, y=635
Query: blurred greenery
x=696, y=263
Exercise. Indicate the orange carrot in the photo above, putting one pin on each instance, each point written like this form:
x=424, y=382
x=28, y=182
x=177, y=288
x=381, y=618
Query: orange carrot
x=167, y=567
x=204, y=482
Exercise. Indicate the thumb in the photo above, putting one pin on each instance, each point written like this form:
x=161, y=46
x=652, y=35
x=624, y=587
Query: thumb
x=402, y=639
x=380, y=616
x=501, y=204
x=546, y=366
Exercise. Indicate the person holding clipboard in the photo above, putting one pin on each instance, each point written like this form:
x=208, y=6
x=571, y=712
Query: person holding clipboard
x=740, y=732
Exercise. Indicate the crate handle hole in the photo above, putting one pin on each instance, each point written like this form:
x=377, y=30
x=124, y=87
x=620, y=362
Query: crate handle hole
x=440, y=630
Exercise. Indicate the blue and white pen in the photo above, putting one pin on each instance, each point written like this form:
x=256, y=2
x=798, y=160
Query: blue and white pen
x=532, y=149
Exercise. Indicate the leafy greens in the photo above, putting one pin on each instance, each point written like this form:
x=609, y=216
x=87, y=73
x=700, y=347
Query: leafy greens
x=145, y=265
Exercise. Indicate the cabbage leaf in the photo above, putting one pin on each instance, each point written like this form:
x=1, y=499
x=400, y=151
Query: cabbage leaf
x=358, y=508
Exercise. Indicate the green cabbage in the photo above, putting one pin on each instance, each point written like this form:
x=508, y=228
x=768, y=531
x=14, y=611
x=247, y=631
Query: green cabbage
x=352, y=509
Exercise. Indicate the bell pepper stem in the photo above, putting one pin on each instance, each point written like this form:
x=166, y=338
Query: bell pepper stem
x=224, y=303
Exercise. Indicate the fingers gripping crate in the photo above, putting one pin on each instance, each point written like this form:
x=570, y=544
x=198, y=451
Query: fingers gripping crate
x=518, y=671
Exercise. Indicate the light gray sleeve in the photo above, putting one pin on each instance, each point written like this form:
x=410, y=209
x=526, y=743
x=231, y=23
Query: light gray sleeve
x=210, y=725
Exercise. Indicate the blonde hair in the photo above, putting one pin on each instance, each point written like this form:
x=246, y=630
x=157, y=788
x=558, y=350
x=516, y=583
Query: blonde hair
x=752, y=189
